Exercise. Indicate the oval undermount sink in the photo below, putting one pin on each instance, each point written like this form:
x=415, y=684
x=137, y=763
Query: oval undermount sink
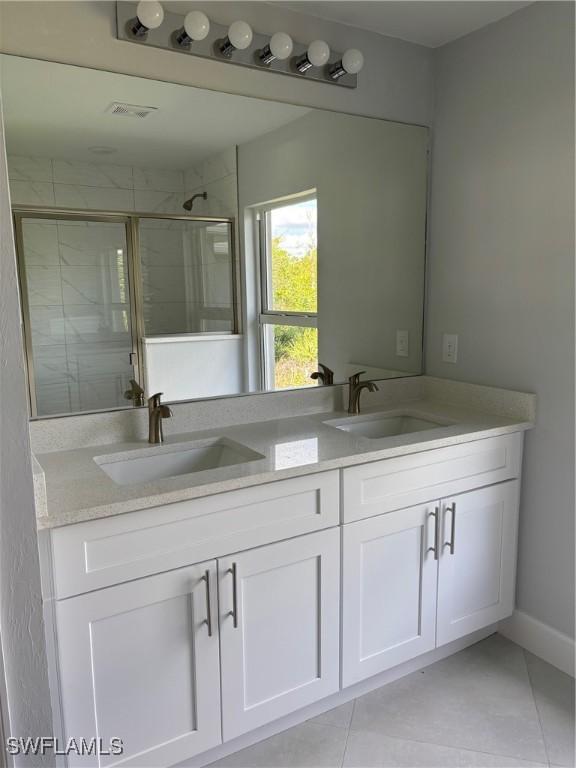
x=376, y=426
x=147, y=465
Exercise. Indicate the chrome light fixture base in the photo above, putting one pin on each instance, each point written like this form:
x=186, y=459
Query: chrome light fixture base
x=226, y=48
x=266, y=56
x=167, y=36
x=182, y=39
x=138, y=29
x=303, y=65
x=337, y=71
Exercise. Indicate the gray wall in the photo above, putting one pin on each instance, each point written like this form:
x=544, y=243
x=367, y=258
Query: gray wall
x=371, y=182
x=501, y=262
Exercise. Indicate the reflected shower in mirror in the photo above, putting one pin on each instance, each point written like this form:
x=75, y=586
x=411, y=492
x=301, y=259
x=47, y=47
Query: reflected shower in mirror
x=206, y=244
x=79, y=335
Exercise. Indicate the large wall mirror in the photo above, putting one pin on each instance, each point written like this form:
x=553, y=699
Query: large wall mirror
x=196, y=243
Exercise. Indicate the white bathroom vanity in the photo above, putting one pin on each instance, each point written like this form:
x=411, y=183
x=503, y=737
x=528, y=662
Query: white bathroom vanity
x=274, y=569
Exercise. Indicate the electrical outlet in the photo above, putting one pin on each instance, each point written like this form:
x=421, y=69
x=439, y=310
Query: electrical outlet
x=450, y=348
x=401, y=343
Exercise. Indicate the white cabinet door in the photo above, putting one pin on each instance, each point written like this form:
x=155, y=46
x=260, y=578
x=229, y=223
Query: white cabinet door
x=389, y=591
x=139, y=661
x=279, y=629
x=476, y=575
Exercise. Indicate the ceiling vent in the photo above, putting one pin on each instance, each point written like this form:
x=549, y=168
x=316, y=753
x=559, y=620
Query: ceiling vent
x=129, y=110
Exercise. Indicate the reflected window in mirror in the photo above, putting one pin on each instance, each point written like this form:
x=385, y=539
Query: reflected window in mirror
x=289, y=290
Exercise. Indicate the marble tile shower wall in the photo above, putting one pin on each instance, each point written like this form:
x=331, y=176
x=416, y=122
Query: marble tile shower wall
x=104, y=187
x=217, y=177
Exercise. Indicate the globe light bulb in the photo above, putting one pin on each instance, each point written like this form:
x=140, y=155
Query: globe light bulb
x=149, y=15
x=318, y=53
x=281, y=45
x=352, y=61
x=240, y=35
x=196, y=28
x=197, y=25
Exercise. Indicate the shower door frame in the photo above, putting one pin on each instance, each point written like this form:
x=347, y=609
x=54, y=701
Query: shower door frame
x=133, y=263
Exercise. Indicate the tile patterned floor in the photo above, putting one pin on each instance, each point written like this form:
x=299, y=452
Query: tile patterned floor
x=492, y=705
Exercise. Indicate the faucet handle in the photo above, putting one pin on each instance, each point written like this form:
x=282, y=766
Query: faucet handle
x=355, y=378
x=324, y=374
x=154, y=401
x=328, y=373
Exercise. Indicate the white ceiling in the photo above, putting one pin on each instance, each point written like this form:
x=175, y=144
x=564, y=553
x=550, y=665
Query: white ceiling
x=55, y=110
x=428, y=23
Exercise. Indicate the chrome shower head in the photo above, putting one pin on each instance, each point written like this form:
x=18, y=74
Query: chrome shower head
x=189, y=203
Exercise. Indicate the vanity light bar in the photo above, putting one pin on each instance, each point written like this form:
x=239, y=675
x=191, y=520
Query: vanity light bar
x=147, y=23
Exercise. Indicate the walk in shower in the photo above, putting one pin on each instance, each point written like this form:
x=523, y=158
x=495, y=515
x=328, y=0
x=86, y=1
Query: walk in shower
x=96, y=287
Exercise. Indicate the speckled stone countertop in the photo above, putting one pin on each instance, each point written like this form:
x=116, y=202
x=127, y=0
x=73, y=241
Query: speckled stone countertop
x=76, y=489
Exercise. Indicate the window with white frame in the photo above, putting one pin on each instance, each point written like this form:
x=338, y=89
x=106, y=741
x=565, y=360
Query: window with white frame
x=289, y=291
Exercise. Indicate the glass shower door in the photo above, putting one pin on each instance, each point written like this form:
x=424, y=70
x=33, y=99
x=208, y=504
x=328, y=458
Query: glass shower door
x=77, y=312
x=188, y=276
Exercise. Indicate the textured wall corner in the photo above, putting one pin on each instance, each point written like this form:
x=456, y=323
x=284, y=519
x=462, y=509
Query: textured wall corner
x=21, y=623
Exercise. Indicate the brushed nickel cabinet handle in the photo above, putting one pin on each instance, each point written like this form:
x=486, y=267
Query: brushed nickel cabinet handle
x=206, y=578
x=436, y=516
x=234, y=611
x=451, y=543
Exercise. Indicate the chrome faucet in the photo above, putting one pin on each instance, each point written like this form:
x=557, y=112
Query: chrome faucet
x=156, y=412
x=355, y=390
x=324, y=375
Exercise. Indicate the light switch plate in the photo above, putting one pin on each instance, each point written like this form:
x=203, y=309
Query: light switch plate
x=450, y=348
x=402, y=344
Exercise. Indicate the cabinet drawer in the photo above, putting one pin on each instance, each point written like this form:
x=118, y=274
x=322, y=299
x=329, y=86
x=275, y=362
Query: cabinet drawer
x=100, y=553
x=383, y=486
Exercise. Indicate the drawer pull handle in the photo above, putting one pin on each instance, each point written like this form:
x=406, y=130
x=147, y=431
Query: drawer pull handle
x=206, y=578
x=234, y=611
x=452, y=510
x=436, y=516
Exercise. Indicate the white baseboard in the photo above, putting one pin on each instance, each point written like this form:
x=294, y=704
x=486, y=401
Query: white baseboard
x=540, y=639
